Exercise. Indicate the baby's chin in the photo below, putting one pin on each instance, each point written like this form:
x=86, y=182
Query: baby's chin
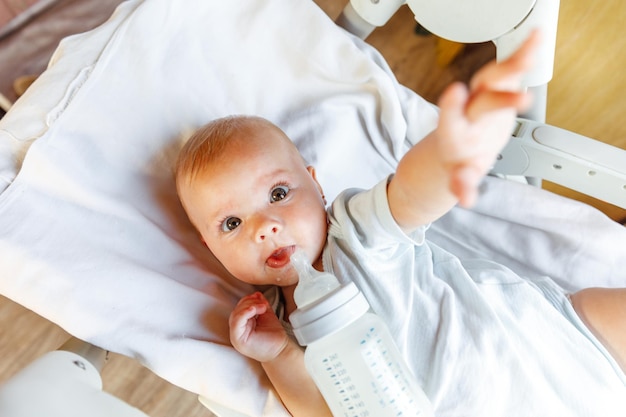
x=284, y=277
x=265, y=276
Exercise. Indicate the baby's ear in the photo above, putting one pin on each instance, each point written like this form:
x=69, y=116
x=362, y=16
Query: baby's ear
x=311, y=170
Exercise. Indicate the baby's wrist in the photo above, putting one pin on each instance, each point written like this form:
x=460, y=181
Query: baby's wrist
x=288, y=348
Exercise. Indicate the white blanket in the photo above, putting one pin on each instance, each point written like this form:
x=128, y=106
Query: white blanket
x=92, y=236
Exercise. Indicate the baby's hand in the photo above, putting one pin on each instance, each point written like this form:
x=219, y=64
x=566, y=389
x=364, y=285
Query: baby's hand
x=255, y=331
x=476, y=122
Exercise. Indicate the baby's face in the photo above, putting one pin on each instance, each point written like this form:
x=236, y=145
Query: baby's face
x=255, y=206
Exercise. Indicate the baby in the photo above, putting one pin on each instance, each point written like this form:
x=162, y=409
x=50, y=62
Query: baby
x=254, y=201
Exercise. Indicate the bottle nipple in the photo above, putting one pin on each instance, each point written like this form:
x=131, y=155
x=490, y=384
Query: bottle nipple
x=312, y=284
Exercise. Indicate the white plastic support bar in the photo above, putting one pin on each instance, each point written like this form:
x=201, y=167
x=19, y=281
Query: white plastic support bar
x=351, y=20
x=544, y=16
x=470, y=21
x=566, y=158
x=376, y=12
x=63, y=383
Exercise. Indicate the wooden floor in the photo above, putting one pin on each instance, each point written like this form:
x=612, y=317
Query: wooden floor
x=586, y=96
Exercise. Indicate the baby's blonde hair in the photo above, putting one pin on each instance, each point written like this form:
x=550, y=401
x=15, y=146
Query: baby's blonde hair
x=211, y=141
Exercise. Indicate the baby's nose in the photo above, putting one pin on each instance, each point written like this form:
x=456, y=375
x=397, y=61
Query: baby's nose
x=267, y=228
x=273, y=230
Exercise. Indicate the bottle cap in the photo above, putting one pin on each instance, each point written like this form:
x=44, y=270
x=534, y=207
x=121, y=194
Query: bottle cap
x=332, y=313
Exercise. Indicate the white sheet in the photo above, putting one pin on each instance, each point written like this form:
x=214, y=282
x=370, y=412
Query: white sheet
x=92, y=235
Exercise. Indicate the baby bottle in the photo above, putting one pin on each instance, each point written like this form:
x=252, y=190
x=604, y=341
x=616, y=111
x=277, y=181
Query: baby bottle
x=350, y=353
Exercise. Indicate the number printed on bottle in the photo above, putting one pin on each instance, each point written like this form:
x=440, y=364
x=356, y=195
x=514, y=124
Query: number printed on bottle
x=361, y=374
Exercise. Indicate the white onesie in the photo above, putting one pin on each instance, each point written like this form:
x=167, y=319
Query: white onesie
x=481, y=340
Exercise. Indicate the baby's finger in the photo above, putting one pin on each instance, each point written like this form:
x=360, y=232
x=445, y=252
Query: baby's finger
x=454, y=97
x=247, y=308
x=508, y=74
x=489, y=101
x=243, y=322
x=464, y=185
x=452, y=105
x=525, y=55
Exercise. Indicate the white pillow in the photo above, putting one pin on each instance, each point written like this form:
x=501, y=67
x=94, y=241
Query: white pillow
x=93, y=236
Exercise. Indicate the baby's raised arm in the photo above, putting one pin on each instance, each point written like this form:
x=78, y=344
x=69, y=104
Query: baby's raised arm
x=474, y=125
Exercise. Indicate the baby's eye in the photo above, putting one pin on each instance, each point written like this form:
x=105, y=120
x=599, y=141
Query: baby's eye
x=230, y=224
x=278, y=193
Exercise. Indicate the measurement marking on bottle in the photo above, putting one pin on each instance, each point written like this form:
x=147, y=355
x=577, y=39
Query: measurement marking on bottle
x=365, y=376
x=389, y=383
x=349, y=396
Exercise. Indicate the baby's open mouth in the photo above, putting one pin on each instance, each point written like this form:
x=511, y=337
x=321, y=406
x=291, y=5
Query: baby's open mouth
x=280, y=257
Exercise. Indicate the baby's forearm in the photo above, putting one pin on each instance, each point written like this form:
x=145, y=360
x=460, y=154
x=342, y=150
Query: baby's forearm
x=475, y=123
x=419, y=192
x=293, y=383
